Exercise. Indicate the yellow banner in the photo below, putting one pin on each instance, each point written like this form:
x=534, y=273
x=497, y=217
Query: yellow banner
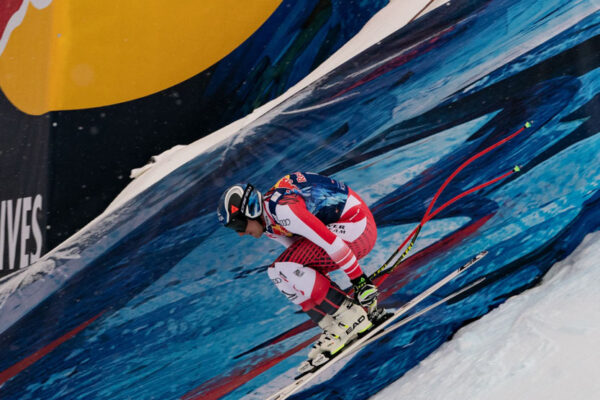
x=76, y=54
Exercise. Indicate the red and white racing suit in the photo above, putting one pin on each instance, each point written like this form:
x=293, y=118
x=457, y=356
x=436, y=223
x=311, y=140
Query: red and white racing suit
x=325, y=226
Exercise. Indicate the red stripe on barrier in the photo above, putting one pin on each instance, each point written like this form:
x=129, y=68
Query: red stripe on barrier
x=32, y=359
x=220, y=386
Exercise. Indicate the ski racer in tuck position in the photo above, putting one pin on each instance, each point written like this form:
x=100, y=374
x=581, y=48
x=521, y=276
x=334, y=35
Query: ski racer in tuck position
x=324, y=226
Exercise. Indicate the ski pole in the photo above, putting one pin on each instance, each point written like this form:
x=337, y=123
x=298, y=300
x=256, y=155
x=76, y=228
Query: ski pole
x=384, y=269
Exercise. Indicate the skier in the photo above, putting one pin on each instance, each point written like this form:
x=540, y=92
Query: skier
x=324, y=226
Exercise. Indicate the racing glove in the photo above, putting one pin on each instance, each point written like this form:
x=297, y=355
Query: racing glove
x=365, y=293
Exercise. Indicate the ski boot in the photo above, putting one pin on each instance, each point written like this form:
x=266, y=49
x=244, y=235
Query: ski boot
x=376, y=313
x=339, y=329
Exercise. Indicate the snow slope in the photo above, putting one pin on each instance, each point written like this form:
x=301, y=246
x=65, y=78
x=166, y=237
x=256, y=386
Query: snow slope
x=543, y=344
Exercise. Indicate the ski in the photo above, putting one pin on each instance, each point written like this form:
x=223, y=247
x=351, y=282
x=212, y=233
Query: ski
x=411, y=317
x=391, y=323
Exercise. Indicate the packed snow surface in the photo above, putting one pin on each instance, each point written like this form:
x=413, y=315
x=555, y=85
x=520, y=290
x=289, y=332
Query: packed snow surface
x=542, y=344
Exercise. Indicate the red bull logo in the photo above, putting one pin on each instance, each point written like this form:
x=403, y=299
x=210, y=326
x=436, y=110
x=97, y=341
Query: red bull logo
x=286, y=183
x=12, y=14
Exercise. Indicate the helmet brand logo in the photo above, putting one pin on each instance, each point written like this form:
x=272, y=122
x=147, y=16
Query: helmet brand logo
x=246, y=198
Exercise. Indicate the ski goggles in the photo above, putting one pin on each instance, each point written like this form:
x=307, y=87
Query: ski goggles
x=238, y=222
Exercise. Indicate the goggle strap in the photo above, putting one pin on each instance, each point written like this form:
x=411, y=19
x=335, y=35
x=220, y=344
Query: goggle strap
x=246, y=198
